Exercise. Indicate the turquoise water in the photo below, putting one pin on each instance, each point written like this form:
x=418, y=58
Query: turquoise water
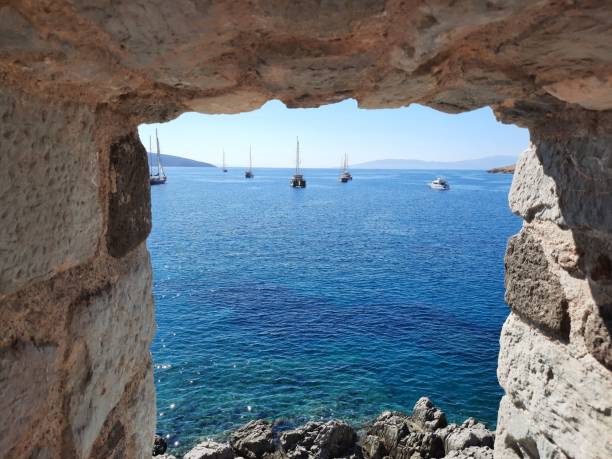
x=335, y=301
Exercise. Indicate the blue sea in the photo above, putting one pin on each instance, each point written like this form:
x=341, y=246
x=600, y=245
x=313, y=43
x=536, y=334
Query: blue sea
x=334, y=301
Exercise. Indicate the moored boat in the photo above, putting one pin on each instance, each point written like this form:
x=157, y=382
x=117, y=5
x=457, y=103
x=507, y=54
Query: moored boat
x=158, y=178
x=439, y=184
x=345, y=175
x=297, y=180
x=249, y=172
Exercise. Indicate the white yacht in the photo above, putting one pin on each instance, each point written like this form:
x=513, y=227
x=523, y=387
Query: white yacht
x=439, y=184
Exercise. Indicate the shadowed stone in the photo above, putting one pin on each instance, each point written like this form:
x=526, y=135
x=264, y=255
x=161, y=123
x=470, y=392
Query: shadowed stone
x=532, y=290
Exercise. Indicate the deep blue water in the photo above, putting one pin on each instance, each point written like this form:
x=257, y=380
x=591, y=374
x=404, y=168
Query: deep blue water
x=335, y=301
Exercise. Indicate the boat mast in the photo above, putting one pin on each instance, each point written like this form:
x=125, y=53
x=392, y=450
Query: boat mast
x=297, y=157
x=160, y=169
x=223, y=150
x=149, y=160
x=250, y=160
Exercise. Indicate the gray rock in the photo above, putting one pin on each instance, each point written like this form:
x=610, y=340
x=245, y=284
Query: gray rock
x=253, y=440
x=473, y=452
x=159, y=445
x=319, y=440
x=470, y=433
x=424, y=445
x=427, y=416
x=165, y=456
x=210, y=450
x=385, y=433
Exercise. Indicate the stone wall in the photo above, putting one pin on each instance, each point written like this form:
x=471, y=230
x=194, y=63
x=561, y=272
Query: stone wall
x=75, y=284
x=556, y=348
x=78, y=76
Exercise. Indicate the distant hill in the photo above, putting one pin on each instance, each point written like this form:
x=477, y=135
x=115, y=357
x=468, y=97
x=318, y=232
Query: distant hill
x=486, y=163
x=177, y=161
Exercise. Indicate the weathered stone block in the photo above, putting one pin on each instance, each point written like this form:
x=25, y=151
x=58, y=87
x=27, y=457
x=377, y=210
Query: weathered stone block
x=533, y=194
x=129, y=219
x=50, y=217
x=28, y=375
x=533, y=291
x=558, y=399
x=111, y=334
x=581, y=168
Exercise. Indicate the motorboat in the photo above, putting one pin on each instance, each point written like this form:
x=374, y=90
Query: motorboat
x=439, y=184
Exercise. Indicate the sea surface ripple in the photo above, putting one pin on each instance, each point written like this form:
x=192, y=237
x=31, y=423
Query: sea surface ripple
x=335, y=301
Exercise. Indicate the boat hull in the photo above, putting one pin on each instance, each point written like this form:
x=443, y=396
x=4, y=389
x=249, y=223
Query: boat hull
x=439, y=187
x=248, y=175
x=297, y=181
x=157, y=180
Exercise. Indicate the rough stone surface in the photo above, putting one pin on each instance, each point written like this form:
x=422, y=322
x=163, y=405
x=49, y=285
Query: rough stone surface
x=319, y=440
x=253, y=440
x=210, y=450
x=428, y=416
x=470, y=433
x=50, y=215
x=533, y=291
x=130, y=199
x=558, y=400
x=159, y=445
x=473, y=452
x=533, y=193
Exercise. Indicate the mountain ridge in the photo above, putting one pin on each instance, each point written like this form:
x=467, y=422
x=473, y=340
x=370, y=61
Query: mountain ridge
x=487, y=162
x=177, y=161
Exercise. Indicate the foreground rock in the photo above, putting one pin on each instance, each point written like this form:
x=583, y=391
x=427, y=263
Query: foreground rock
x=470, y=433
x=159, y=445
x=211, y=450
x=253, y=440
x=423, y=435
x=319, y=440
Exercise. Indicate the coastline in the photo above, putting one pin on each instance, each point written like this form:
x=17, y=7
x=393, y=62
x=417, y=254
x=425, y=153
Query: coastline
x=424, y=434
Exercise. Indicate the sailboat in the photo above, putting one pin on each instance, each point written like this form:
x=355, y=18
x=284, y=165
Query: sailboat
x=249, y=172
x=297, y=181
x=224, y=168
x=345, y=175
x=160, y=177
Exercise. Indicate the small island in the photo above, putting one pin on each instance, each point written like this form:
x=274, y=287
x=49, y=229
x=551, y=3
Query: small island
x=502, y=170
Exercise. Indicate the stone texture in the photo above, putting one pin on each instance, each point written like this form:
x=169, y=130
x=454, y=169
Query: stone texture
x=533, y=291
x=253, y=440
x=129, y=221
x=319, y=440
x=558, y=400
x=427, y=415
x=533, y=193
x=473, y=452
x=470, y=433
x=50, y=215
x=210, y=450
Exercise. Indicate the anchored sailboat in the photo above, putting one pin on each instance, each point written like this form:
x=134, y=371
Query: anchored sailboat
x=249, y=172
x=298, y=180
x=160, y=177
x=224, y=168
x=345, y=175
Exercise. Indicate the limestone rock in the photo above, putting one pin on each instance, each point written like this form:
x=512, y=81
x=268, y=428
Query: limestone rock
x=472, y=452
x=385, y=433
x=551, y=391
x=165, y=456
x=253, y=440
x=470, y=433
x=427, y=415
x=319, y=440
x=533, y=193
x=210, y=450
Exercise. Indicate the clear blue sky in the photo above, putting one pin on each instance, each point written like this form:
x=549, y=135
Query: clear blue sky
x=325, y=133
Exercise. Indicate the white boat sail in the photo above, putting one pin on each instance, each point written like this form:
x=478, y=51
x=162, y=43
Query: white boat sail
x=298, y=180
x=160, y=177
x=345, y=175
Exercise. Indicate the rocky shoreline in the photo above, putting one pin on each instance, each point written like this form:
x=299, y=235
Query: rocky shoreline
x=425, y=434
